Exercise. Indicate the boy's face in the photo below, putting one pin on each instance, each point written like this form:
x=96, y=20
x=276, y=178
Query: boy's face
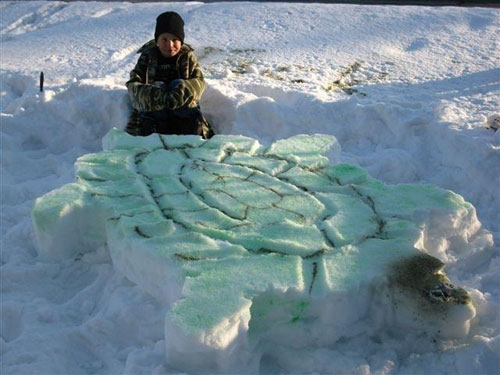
x=169, y=44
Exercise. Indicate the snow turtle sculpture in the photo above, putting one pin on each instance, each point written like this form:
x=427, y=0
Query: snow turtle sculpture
x=255, y=246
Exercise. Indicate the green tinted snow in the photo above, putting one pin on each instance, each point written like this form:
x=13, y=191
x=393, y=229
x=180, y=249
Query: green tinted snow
x=231, y=220
x=50, y=208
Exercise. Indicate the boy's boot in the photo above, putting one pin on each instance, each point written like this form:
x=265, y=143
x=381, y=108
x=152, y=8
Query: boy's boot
x=133, y=125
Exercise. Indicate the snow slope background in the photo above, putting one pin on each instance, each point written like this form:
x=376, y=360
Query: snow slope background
x=405, y=90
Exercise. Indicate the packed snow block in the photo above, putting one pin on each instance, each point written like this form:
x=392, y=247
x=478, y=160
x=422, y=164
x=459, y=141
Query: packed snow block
x=217, y=333
x=68, y=223
x=255, y=247
x=304, y=150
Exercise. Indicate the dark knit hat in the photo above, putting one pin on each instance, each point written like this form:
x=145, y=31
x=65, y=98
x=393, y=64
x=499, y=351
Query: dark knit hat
x=170, y=22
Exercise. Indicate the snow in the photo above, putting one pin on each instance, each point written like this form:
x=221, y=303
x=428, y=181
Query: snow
x=248, y=244
x=406, y=91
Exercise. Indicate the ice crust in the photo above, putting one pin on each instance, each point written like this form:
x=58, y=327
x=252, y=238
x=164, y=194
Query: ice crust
x=255, y=246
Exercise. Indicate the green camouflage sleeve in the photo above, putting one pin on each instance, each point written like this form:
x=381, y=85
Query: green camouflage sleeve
x=194, y=83
x=138, y=74
x=146, y=97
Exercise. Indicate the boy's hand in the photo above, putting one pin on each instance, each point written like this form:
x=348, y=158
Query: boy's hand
x=148, y=98
x=178, y=95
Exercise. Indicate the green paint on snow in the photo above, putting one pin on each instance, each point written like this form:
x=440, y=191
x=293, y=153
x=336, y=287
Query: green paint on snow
x=242, y=228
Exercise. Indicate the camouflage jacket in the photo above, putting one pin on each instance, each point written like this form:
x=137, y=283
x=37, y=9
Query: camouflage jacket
x=147, y=97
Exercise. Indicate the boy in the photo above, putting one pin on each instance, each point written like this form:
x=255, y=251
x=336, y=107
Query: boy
x=166, y=84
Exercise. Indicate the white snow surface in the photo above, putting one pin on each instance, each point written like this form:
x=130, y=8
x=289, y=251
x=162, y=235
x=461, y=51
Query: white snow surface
x=406, y=91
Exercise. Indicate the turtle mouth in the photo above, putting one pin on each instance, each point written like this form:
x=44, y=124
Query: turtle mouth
x=445, y=292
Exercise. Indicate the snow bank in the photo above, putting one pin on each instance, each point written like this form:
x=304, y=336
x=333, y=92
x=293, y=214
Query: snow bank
x=251, y=244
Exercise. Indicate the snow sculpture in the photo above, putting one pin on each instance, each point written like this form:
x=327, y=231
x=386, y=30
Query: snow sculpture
x=254, y=247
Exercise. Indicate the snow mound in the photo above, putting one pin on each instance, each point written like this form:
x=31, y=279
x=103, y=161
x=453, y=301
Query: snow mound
x=256, y=247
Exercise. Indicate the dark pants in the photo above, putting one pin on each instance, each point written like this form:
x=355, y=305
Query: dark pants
x=180, y=121
x=167, y=121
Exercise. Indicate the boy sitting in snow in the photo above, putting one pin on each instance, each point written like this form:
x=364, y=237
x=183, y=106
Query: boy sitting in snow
x=166, y=84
